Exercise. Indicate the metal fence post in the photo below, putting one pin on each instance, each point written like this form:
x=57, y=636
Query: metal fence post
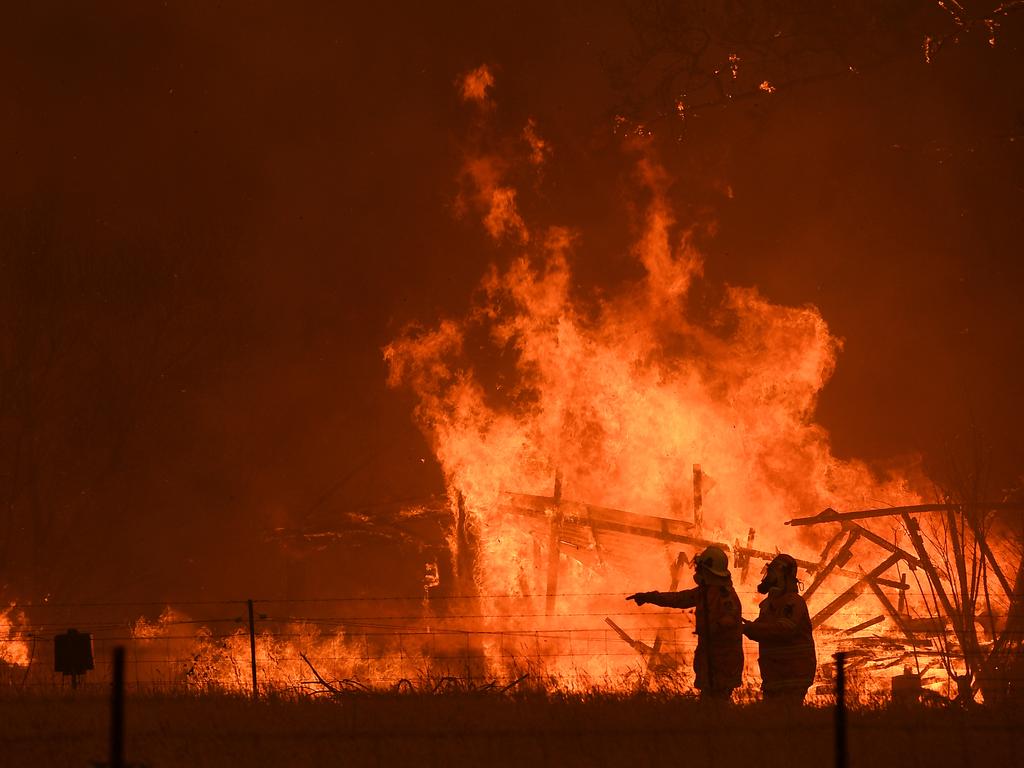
x=117, y=710
x=840, y=722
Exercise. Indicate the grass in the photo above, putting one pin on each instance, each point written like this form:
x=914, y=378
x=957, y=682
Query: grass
x=526, y=730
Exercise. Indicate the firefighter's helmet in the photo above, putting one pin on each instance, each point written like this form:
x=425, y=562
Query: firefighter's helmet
x=787, y=563
x=714, y=560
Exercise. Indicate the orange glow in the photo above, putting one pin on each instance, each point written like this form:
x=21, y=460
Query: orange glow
x=474, y=85
x=14, y=647
x=618, y=396
x=539, y=148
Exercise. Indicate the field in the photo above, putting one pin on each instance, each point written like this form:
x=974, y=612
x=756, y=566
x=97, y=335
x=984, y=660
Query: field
x=526, y=730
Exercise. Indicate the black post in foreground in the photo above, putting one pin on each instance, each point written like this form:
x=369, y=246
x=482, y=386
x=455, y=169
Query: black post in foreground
x=840, y=710
x=252, y=650
x=117, y=711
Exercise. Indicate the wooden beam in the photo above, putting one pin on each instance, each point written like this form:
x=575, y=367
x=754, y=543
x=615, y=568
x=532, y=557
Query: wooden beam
x=894, y=614
x=698, y=498
x=831, y=516
x=746, y=558
x=647, y=526
x=607, y=519
x=674, y=570
x=809, y=565
x=854, y=591
x=865, y=625
x=554, y=554
x=874, y=538
x=760, y=554
x=838, y=559
x=652, y=659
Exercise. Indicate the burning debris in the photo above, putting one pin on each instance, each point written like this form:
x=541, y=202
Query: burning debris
x=974, y=628
x=14, y=645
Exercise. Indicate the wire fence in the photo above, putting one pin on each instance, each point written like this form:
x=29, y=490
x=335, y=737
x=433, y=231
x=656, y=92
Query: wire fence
x=380, y=642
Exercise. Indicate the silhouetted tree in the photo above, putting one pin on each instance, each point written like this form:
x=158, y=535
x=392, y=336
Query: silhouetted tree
x=691, y=55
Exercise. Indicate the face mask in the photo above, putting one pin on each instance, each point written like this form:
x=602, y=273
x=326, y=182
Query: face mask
x=772, y=580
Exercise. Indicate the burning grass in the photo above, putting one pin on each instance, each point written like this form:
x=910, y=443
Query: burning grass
x=527, y=727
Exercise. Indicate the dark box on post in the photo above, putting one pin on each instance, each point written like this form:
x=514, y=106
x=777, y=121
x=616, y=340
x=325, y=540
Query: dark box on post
x=72, y=652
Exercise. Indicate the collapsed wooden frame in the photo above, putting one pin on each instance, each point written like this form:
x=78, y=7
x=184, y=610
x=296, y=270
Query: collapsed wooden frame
x=581, y=526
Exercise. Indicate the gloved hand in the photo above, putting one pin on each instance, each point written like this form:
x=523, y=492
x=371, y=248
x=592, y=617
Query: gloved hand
x=642, y=597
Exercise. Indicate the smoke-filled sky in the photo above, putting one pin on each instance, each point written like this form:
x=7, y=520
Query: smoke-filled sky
x=214, y=218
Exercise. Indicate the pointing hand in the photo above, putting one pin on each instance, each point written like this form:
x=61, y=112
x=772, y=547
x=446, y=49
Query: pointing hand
x=641, y=597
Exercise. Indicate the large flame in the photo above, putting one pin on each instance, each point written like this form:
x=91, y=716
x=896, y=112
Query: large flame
x=623, y=393
x=619, y=392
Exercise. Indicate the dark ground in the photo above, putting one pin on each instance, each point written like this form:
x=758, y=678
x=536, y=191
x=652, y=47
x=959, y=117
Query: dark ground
x=475, y=730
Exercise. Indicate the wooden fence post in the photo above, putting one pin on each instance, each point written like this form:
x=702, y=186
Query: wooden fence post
x=252, y=650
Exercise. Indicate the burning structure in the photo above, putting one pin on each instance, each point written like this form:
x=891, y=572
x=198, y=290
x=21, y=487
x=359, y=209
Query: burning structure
x=552, y=412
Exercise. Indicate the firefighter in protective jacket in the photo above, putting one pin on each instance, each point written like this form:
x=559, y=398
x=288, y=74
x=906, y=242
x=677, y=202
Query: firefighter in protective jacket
x=783, y=633
x=718, y=660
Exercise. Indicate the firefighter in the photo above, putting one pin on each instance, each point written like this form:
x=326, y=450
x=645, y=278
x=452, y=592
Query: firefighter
x=718, y=660
x=783, y=633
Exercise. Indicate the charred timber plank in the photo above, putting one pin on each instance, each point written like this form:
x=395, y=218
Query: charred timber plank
x=831, y=516
x=891, y=609
x=865, y=625
x=841, y=556
x=637, y=645
x=760, y=554
x=745, y=567
x=674, y=571
x=854, y=591
x=647, y=526
x=540, y=505
x=664, y=535
x=554, y=555
x=900, y=585
x=874, y=538
x=698, y=498
x=832, y=608
x=823, y=558
x=812, y=567
x=607, y=519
